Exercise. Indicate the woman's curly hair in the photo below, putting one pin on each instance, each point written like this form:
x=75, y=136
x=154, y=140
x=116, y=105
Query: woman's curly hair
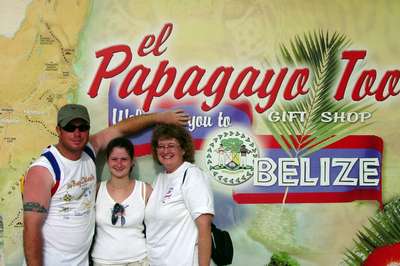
x=170, y=131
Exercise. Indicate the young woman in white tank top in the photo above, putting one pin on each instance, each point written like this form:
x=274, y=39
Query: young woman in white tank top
x=120, y=204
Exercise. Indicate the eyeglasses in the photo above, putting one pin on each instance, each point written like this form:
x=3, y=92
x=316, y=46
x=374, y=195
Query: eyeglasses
x=118, y=208
x=167, y=147
x=72, y=128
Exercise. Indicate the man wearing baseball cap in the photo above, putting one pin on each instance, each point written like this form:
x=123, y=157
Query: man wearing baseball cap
x=69, y=112
x=60, y=186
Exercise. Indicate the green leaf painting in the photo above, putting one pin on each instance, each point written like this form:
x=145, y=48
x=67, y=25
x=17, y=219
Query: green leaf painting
x=320, y=52
x=381, y=236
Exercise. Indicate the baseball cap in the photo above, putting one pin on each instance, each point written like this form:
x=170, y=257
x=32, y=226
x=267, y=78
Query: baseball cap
x=69, y=112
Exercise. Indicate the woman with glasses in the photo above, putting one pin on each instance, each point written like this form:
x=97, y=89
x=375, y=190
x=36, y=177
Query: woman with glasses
x=120, y=205
x=180, y=210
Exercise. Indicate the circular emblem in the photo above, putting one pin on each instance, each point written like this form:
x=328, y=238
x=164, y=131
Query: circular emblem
x=230, y=157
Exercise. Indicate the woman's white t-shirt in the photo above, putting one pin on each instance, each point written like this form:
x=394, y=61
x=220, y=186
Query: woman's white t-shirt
x=170, y=216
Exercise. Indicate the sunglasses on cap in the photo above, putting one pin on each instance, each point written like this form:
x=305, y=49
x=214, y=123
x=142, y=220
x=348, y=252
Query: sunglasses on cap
x=72, y=128
x=118, y=208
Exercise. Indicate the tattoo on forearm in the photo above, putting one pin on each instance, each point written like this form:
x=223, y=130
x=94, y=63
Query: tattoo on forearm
x=34, y=207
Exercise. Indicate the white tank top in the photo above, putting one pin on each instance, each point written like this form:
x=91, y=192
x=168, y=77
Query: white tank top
x=69, y=226
x=120, y=243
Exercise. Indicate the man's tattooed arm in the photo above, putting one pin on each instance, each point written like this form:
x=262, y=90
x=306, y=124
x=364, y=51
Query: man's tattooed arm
x=34, y=207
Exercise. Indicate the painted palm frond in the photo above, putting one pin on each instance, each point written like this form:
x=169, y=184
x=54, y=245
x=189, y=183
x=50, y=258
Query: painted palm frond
x=320, y=52
x=382, y=234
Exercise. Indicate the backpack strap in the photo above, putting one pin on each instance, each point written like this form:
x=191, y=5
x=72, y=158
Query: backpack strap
x=183, y=181
x=184, y=176
x=90, y=152
x=56, y=168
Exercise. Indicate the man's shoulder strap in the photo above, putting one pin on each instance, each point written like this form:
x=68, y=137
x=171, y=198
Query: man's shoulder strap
x=90, y=152
x=56, y=168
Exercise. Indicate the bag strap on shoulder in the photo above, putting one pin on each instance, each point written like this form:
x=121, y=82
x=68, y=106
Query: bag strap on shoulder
x=184, y=176
x=90, y=152
x=56, y=168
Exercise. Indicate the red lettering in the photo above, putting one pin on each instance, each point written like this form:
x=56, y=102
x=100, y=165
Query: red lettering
x=262, y=89
x=353, y=57
x=164, y=35
x=146, y=43
x=149, y=40
x=103, y=72
x=364, y=84
x=273, y=93
x=193, y=86
x=367, y=78
x=137, y=89
x=301, y=76
x=248, y=88
x=391, y=77
x=162, y=71
x=219, y=90
x=244, y=83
